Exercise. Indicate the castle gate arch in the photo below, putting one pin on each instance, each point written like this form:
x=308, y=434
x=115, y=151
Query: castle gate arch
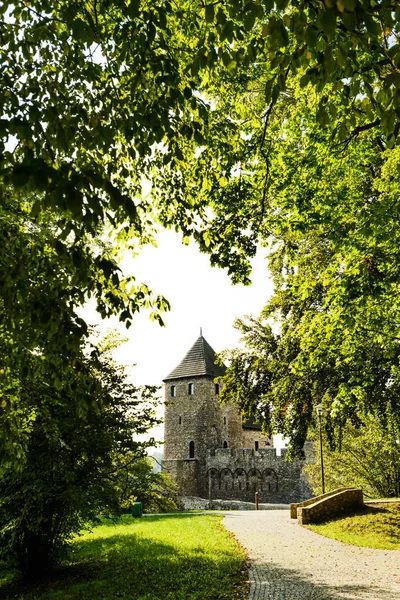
x=213, y=479
x=253, y=480
x=240, y=480
x=270, y=481
x=226, y=480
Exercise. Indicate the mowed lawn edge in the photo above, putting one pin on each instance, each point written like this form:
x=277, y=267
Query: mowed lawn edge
x=376, y=526
x=158, y=557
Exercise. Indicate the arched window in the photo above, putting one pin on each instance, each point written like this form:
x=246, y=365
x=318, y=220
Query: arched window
x=191, y=389
x=225, y=444
x=224, y=420
x=256, y=445
x=180, y=420
x=173, y=391
x=217, y=389
x=191, y=450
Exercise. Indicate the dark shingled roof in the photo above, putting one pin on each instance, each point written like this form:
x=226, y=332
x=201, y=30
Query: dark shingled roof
x=199, y=361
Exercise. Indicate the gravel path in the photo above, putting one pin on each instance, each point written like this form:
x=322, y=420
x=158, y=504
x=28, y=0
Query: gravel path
x=288, y=562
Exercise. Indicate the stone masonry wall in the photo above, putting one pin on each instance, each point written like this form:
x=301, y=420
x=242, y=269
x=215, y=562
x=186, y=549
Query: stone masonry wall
x=196, y=422
x=187, y=474
x=208, y=454
x=313, y=500
x=238, y=474
x=187, y=417
x=250, y=436
x=198, y=418
x=231, y=426
x=344, y=502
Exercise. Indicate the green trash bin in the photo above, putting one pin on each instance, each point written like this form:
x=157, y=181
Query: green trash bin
x=137, y=509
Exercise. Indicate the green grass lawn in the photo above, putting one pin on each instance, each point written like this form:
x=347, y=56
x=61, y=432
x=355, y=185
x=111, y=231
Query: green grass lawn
x=171, y=557
x=374, y=527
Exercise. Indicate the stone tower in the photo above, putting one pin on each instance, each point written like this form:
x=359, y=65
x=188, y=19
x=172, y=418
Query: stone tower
x=208, y=451
x=194, y=422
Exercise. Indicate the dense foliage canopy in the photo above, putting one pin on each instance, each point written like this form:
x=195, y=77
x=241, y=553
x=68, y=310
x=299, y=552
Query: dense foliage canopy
x=334, y=259
x=259, y=120
x=99, y=96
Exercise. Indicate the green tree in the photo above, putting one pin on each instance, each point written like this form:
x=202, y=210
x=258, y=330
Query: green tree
x=102, y=95
x=44, y=280
x=330, y=225
x=69, y=472
x=238, y=114
x=67, y=412
x=283, y=376
x=368, y=458
x=138, y=482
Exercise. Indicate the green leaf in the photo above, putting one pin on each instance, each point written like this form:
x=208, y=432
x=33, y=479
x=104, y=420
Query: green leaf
x=227, y=31
x=391, y=141
x=305, y=80
x=329, y=61
x=82, y=31
x=35, y=209
x=349, y=20
x=210, y=13
x=327, y=22
x=311, y=36
x=221, y=17
x=133, y=9
x=249, y=20
x=373, y=26
x=178, y=153
x=341, y=56
x=388, y=120
x=20, y=176
x=162, y=18
x=349, y=4
x=323, y=116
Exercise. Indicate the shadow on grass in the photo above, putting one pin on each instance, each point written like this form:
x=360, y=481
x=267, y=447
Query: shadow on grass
x=135, y=567
x=128, y=519
x=277, y=582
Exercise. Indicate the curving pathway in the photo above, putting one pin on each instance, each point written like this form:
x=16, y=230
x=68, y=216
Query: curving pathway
x=288, y=562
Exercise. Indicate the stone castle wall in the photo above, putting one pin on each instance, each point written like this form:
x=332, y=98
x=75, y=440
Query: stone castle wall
x=209, y=454
x=238, y=474
x=188, y=474
x=251, y=436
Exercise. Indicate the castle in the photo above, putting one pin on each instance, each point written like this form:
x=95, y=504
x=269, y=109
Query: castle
x=209, y=451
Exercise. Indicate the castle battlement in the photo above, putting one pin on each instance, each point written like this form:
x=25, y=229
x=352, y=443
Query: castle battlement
x=241, y=453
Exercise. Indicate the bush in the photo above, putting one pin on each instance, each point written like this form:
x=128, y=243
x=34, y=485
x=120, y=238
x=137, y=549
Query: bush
x=367, y=457
x=139, y=483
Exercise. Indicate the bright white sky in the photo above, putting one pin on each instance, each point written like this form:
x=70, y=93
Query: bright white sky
x=200, y=296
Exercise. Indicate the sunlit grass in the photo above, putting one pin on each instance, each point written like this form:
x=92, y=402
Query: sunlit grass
x=174, y=557
x=374, y=527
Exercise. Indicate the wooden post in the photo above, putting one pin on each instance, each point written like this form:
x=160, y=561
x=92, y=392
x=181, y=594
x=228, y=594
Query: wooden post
x=256, y=500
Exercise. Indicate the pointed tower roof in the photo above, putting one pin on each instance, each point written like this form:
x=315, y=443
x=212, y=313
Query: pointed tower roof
x=199, y=361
